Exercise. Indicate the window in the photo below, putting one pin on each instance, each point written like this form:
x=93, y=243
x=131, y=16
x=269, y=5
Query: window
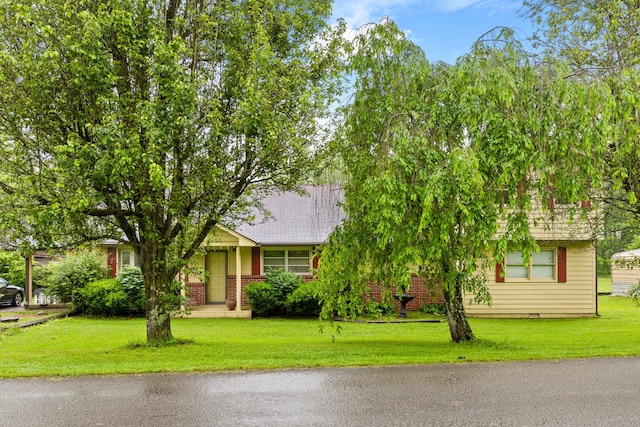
x=542, y=265
x=292, y=260
x=128, y=258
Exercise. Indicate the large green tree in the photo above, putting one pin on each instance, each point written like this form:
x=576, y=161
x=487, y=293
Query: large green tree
x=439, y=156
x=601, y=39
x=599, y=35
x=151, y=121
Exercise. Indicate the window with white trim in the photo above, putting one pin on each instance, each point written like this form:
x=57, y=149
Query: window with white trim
x=542, y=265
x=292, y=260
x=128, y=258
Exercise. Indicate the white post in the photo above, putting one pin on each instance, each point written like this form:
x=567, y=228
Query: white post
x=28, y=282
x=238, y=280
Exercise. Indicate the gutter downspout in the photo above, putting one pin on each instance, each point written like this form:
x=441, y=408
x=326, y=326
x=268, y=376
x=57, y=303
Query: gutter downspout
x=595, y=245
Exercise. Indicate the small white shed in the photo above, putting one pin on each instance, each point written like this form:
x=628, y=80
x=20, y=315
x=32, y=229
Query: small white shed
x=625, y=271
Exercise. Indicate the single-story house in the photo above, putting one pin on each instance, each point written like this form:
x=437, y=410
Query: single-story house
x=559, y=280
x=625, y=271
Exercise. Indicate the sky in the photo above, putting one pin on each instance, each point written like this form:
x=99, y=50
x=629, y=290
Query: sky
x=445, y=29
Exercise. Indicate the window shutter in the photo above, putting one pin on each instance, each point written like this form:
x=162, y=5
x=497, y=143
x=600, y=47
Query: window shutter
x=562, y=265
x=551, y=202
x=500, y=272
x=255, y=261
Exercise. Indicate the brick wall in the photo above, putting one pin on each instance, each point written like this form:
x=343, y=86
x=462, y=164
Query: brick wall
x=418, y=289
x=194, y=292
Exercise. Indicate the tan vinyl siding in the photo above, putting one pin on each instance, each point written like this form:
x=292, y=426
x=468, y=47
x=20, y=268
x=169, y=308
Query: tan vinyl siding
x=104, y=252
x=196, y=262
x=245, y=253
x=576, y=297
x=562, y=228
x=221, y=238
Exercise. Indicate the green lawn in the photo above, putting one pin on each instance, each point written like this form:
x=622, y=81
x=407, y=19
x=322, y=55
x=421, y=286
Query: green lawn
x=82, y=346
x=604, y=285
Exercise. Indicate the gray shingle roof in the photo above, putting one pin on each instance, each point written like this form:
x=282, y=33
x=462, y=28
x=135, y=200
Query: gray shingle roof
x=297, y=219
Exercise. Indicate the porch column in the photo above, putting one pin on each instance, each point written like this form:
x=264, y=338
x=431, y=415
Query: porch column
x=238, y=280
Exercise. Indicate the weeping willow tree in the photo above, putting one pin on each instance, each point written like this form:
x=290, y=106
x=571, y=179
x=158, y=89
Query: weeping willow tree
x=437, y=156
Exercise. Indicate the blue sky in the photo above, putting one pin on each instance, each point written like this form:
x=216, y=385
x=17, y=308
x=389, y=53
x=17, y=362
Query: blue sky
x=445, y=29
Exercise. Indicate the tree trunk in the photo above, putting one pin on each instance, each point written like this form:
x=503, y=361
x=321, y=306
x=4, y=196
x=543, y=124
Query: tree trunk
x=159, y=301
x=456, y=316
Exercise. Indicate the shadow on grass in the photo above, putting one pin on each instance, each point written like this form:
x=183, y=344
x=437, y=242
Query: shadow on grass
x=159, y=344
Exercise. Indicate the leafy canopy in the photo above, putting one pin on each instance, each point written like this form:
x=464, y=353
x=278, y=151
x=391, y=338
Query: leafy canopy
x=439, y=156
x=152, y=121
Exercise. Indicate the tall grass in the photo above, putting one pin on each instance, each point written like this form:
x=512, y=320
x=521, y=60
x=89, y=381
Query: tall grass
x=82, y=346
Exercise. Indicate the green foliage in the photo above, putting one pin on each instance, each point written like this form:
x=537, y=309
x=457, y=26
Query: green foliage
x=303, y=301
x=132, y=282
x=263, y=299
x=379, y=308
x=66, y=277
x=600, y=41
x=634, y=292
x=12, y=267
x=104, y=297
x=600, y=36
x=122, y=296
x=154, y=123
x=433, y=308
x=435, y=155
x=274, y=296
x=283, y=283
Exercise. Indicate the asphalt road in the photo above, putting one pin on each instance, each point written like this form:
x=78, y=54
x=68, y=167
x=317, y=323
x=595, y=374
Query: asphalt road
x=591, y=392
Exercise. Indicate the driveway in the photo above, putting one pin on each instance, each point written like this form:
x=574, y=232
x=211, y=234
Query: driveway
x=9, y=309
x=591, y=392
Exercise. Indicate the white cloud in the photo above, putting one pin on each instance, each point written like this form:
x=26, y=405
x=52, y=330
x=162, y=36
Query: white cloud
x=359, y=12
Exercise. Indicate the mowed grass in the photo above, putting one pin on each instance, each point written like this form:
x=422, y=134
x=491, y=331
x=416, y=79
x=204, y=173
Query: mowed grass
x=604, y=284
x=83, y=346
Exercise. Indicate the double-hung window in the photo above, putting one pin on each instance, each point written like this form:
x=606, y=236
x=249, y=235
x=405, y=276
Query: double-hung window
x=542, y=265
x=292, y=260
x=128, y=258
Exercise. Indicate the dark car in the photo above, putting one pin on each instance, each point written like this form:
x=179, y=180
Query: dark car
x=10, y=294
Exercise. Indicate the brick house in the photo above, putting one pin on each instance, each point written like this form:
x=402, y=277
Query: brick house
x=559, y=280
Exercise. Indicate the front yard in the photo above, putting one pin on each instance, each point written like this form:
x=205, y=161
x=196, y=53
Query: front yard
x=83, y=346
x=19, y=317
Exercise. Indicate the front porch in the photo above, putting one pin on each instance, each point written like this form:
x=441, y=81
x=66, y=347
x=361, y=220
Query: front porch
x=217, y=311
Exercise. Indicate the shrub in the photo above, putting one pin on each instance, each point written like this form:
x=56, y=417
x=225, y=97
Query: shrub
x=379, y=309
x=262, y=298
x=304, y=300
x=283, y=283
x=66, y=278
x=104, y=297
x=634, y=292
x=133, y=286
x=433, y=308
x=270, y=297
x=12, y=267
